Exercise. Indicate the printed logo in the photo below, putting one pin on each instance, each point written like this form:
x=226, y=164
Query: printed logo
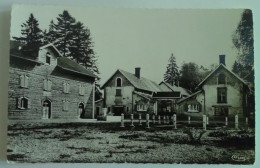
x=238, y=158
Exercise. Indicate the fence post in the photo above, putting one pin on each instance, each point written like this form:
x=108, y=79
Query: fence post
x=153, y=119
x=204, y=122
x=174, y=121
x=140, y=119
x=246, y=120
x=207, y=120
x=122, y=120
x=147, y=121
x=132, y=120
x=159, y=119
x=167, y=119
x=236, y=121
x=164, y=119
x=226, y=121
x=188, y=119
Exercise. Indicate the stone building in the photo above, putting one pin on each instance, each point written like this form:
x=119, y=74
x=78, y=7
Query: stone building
x=49, y=87
x=128, y=93
x=221, y=93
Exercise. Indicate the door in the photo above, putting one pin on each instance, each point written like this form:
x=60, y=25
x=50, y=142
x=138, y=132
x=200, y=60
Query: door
x=81, y=110
x=118, y=110
x=46, y=109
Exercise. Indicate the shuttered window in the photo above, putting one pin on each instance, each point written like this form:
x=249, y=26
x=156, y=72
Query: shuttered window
x=81, y=89
x=65, y=105
x=66, y=87
x=24, y=81
x=47, y=84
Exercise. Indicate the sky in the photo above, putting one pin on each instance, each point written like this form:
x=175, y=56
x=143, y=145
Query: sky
x=128, y=38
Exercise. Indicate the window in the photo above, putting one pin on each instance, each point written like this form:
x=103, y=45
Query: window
x=24, y=81
x=118, y=92
x=221, y=111
x=221, y=79
x=66, y=87
x=23, y=103
x=108, y=109
x=222, y=95
x=193, y=108
x=81, y=89
x=141, y=107
x=118, y=82
x=47, y=85
x=65, y=105
x=48, y=58
x=127, y=109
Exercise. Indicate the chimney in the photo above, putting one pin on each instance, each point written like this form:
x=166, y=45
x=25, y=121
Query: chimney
x=137, y=72
x=222, y=59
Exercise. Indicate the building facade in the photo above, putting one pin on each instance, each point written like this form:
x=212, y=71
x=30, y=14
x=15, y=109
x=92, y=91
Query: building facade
x=128, y=93
x=221, y=93
x=49, y=87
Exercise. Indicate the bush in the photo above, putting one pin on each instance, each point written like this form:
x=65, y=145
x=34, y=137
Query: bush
x=101, y=118
x=194, y=134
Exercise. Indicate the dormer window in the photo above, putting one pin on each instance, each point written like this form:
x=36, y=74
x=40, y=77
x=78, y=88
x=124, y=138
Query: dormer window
x=48, y=58
x=118, y=82
x=221, y=79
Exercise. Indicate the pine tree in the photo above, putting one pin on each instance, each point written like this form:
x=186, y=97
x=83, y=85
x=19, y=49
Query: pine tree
x=172, y=73
x=31, y=38
x=81, y=48
x=50, y=35
x=64, y=33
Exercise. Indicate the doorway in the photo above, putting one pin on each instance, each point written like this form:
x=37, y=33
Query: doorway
x=118, y=110
x=81, y=110
x=46, y=109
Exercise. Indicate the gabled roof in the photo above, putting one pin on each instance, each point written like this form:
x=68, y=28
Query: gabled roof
x=142, y=83
x=68, y=64
x=54, y=49
x=175, y=88
x=190, y=96
x=220, y=66
x=167, y=95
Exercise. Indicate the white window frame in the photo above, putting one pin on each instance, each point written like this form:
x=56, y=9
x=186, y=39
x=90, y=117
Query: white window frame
x=21, y=103
x=141, y=107
x=194, y=108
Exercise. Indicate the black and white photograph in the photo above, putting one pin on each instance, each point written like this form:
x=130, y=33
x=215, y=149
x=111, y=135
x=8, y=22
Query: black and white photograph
x=131, y=85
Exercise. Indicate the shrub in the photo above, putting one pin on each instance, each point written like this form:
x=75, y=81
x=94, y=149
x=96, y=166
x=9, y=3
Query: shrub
x=194, y=134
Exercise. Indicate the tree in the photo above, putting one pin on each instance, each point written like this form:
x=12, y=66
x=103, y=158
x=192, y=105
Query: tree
x=31, y=38
x=64, y=33
x=172, y=73
x=82, y=47
x=190, y=76
x=50, y=35
x=243, y=41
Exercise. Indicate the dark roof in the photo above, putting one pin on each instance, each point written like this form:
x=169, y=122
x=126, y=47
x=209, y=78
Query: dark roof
x=142, y=83
x=20, y=57
x=144, y=95
x=68, y=64
x=177, y=88
x=186, y=98
x=166, y=94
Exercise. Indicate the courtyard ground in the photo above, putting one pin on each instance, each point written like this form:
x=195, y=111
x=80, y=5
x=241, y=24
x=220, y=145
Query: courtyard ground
x=107, y=142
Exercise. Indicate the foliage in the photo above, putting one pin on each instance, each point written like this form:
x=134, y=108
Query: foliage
x=189, y=76
x=243, y=41
x=31, y=38
x=172, y=72
x=194, y=134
